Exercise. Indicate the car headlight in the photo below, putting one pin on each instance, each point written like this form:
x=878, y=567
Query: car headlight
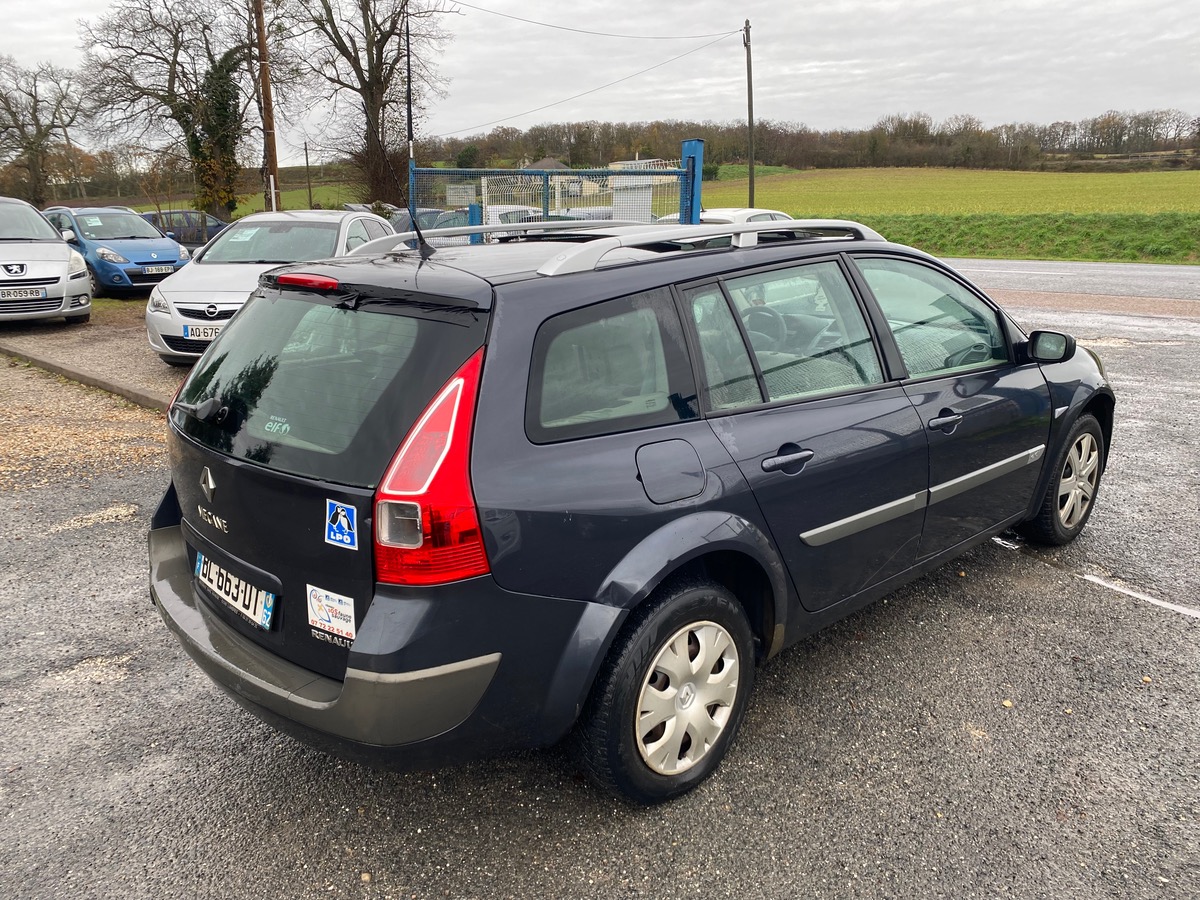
x=111, y=256
x=157, y=302
x=184, y=253
x=76, y=264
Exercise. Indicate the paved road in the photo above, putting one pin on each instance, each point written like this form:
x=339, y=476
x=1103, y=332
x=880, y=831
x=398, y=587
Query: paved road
x=1110, y=279
x=879, y=758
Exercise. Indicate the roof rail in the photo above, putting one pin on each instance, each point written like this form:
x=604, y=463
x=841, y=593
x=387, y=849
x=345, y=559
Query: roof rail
x=585, y=257
x=391, y=242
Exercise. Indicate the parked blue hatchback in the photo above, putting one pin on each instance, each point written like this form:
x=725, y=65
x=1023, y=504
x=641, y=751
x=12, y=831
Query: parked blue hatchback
x=125, y=253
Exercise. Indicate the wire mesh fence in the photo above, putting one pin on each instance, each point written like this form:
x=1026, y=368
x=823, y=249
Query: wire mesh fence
x=635, y=191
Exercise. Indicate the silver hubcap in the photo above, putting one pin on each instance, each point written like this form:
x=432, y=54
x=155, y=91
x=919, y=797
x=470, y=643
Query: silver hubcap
x=1077, y=484
x=687, y=697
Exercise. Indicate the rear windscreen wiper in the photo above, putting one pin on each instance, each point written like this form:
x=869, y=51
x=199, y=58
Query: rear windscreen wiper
x=209, y=410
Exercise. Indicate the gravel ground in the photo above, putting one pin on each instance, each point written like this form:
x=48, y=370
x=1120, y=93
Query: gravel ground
x=109, y=352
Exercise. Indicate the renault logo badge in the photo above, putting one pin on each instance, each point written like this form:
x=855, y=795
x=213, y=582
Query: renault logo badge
x=207, y=484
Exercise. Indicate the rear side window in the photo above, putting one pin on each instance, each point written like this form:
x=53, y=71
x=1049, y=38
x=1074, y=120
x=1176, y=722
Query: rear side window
x=611, y=367
x=322, y=391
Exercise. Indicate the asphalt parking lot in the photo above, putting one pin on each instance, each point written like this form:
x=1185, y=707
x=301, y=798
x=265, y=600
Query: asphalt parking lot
x=1021, y=723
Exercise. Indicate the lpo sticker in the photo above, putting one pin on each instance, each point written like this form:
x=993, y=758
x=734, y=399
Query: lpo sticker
x=341, y=524
x=331, y=612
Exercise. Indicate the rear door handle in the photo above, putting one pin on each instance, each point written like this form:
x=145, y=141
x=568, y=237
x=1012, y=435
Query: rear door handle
x=774, y=463
x=945, y=423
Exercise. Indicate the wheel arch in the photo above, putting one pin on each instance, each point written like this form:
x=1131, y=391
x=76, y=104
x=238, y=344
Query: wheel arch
x=718, y=546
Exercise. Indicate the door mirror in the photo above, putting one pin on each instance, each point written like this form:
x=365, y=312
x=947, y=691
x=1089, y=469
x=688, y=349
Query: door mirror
x=69, y=236
x=1051, y=346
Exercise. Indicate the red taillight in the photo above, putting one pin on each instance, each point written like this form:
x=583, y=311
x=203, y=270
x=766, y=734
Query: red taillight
x=307, y=281
x=426, y=527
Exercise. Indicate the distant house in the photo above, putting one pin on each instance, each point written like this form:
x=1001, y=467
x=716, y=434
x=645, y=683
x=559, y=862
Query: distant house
x=548, y=162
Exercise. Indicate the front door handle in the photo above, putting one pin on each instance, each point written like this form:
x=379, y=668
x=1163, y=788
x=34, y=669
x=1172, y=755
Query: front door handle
x=775, y=463
x=946, y=422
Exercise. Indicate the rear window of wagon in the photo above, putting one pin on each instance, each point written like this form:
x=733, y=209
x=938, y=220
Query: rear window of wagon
x=312, y=388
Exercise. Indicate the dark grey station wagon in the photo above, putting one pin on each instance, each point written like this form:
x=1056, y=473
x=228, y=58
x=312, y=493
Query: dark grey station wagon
x=427, y=504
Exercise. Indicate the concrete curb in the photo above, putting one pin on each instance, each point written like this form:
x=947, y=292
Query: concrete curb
x=141, y=398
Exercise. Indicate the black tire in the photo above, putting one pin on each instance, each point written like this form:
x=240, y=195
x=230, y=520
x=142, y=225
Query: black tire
x=79, y=320
x=1071, y=494
x=654, y=767
x=96, y=288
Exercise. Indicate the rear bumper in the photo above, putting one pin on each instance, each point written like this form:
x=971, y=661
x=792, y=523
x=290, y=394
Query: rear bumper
x=493, y=670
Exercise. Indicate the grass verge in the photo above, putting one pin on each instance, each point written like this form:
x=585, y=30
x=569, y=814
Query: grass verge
x=1117, y=237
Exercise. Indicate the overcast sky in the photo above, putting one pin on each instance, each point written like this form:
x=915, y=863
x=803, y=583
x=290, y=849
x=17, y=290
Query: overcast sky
x=827, y=65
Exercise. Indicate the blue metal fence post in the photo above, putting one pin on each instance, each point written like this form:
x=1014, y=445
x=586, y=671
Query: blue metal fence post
x=689, y=188
x=545, y=195
x=475, y=217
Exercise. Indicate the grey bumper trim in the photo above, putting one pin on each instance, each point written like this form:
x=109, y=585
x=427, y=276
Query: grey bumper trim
x=381, y=709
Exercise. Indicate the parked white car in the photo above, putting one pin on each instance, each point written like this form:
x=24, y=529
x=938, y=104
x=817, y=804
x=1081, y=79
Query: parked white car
x=41, y=276
x=732, y=215
x=189, y=309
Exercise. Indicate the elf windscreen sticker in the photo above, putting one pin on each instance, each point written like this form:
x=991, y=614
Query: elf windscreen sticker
x=341, y=524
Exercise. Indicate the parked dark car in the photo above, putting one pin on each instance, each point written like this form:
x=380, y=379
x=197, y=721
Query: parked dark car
x=190, y=227
x=425, y=506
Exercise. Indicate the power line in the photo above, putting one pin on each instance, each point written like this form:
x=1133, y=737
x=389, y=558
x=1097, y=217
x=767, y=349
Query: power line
x=631, y=37
x=593, y=90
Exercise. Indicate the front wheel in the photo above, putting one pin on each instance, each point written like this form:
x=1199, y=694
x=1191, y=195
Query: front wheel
x=1071, y=495
x=668, y=704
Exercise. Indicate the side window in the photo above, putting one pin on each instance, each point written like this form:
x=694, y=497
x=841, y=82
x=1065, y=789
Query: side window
x=356, y=235
x=807, y=331
x=939, y=325
x=614, y=366
x=729, y=377
x=374, y=229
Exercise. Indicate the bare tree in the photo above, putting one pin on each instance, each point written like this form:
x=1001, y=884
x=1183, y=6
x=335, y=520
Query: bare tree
x=36, y=107
x=189, y=73
x=358, y=48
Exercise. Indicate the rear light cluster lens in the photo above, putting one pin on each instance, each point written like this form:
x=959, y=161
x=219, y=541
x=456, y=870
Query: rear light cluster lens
x=426, y=525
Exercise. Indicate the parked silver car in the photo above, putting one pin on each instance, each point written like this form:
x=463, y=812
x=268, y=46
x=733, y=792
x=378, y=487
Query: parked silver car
x=40, y=275
x=187, y=310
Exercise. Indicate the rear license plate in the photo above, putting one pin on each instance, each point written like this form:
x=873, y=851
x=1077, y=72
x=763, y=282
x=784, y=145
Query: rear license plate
x=157, y=270
x=23, y=294
x=254, y=603
x=201, y=332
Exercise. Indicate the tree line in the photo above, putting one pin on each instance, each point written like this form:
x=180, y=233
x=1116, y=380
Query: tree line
x=911, y=139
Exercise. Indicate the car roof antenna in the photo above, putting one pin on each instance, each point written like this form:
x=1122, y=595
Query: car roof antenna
x=427, y=249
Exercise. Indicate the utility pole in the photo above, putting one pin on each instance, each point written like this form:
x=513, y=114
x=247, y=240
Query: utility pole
x=749, y=106
x=271, y=195
x=307, y=175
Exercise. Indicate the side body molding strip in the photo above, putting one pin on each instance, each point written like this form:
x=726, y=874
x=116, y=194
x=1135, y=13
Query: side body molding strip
x=826, y=534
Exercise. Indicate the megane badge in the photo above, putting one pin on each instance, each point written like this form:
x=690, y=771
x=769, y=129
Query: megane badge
x=207, y=484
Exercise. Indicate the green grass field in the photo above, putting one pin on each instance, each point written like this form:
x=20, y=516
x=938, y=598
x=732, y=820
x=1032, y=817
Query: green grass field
x=1134, y=216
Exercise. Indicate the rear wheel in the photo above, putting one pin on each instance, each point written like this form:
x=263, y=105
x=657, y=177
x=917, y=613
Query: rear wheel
x=1071, y=495
x=675, y=688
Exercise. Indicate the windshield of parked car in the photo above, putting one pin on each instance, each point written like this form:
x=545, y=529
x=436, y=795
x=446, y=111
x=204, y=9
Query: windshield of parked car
x=106, y=225
x=22, y=223
x=273, y=242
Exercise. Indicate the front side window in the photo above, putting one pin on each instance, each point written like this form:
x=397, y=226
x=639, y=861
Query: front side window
x=610, y=367
x=356, y=235
x=938, y=324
